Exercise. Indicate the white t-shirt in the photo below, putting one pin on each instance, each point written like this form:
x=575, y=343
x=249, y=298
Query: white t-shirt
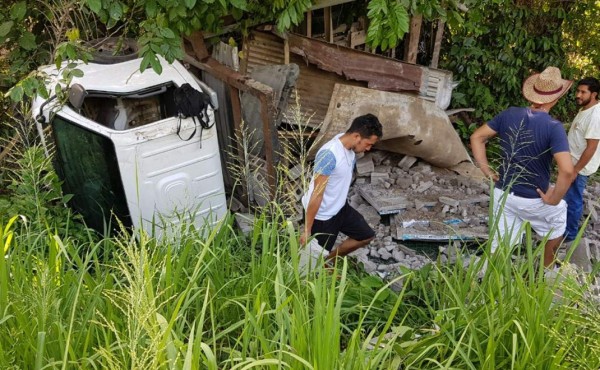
x=337, y=162
x=586, y=125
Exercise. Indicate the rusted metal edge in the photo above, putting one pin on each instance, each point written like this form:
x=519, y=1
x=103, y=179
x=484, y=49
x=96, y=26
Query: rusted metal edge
x=379, y=72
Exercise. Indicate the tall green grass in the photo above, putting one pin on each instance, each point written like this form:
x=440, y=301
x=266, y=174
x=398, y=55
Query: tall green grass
x=219, y=299
x=227, y=300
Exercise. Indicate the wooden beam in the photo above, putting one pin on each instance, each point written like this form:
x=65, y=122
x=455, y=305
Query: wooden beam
x=380, y=73
x=327, y=3
x=243, y=83
x=435, y=58
x=236, y=111
x=286, y=51
x=328, y=24
x=309, y=23
x=413, y=40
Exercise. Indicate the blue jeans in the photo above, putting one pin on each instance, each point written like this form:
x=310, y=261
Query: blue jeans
x=574, y=199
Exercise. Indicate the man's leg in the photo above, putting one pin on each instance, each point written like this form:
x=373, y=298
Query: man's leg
x=550, y=250
x=574, y=199
x=359, y=233
x=348, y=246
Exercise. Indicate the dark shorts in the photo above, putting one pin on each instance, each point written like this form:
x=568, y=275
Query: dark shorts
x=348, y=221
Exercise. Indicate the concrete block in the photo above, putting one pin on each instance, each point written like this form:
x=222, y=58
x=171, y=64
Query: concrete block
x=236, y=205
x=449, y=201
x=423, y=168
x=379, y=178
x=356, y=201
x=407, y=251
x=404, y=182
x=365, y=166
x=383, y=169
x=595, y=251
x=419, y=204
x=295, y=172
x=369, y=266
x=379, y=156
x=384, y=254
x=407, y=162
x=398, y=255
x=474, y=200
x=591, y=208
x=582, y=256
x=360, y=181
x=245, y=222
x=424, y=185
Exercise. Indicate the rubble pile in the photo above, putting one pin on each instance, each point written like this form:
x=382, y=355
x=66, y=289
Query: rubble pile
x=405, y=199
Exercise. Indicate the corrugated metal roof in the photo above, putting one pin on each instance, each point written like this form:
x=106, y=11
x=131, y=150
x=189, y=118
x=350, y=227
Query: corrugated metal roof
x=314, y=86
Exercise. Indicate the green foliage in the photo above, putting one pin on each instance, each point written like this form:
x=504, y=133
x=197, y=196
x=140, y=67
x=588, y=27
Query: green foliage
x=36, y=195
x=159, y=25
x=497, y=47
x=31, y=31
x=388, y=23
x=580, y=37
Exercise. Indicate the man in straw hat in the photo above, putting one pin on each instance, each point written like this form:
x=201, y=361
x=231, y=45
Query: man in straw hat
x=530, y=138
x=584, y=136
x=325, y=202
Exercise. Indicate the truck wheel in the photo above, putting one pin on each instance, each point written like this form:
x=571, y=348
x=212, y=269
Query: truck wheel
x=112, y=50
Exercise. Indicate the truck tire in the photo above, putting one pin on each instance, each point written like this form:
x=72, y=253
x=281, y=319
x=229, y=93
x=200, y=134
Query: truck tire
x=112, y=50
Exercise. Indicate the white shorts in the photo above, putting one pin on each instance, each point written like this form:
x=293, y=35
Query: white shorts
x=544, y=219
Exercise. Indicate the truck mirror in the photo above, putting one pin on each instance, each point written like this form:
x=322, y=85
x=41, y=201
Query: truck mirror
x=77, y=94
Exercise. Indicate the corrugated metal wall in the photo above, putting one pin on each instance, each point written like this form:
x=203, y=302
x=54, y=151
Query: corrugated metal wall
x=314, y=86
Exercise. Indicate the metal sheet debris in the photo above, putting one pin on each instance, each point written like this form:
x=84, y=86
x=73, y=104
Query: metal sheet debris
x=426, y=230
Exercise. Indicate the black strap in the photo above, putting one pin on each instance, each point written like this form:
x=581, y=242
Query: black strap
x=193, y=133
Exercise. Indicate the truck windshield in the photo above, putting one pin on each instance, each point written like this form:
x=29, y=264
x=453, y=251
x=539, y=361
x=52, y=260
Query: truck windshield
x=86, y=163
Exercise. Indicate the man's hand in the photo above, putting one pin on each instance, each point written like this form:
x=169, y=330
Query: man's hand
x=304, y=237
x=547, y=197
x=493, y=175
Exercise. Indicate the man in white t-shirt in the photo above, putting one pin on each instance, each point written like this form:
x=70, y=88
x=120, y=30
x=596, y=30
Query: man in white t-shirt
x=325, y=202
x=584, y=135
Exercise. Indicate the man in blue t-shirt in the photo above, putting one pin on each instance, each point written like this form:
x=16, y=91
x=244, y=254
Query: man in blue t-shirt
x=530, y=139
x=325, y=202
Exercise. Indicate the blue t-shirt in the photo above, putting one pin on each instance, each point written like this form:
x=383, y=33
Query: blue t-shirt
x=529, y=140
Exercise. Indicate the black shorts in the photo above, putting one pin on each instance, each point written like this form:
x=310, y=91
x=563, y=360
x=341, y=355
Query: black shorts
x=348, y=221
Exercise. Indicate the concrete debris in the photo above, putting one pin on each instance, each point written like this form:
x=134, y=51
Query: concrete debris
x=245, y=221
x=449, y=201
x=385, y=201
x=407, y=162
x=582, y=256
x=365, y=165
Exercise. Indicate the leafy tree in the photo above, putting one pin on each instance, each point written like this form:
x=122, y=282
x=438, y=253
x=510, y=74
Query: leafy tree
x=499, y=44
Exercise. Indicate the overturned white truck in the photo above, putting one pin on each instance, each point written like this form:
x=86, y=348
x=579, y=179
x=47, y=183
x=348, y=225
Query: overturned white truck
x=123, y=150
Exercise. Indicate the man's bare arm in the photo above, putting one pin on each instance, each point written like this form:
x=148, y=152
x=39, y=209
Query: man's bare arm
x=314, y=203
x=566, y=174
x=588, y=153
x=479, y=139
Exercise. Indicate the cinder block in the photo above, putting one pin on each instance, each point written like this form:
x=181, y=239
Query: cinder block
x=407, y=162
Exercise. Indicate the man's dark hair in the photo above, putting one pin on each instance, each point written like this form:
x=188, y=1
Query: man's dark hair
x=366, y=126
x=592, y=83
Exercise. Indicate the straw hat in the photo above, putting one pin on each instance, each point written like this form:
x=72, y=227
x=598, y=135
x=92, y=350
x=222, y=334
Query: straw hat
x=545, y=87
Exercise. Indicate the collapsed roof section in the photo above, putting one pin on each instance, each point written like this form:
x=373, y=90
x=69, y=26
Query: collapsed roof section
x=322, y=65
